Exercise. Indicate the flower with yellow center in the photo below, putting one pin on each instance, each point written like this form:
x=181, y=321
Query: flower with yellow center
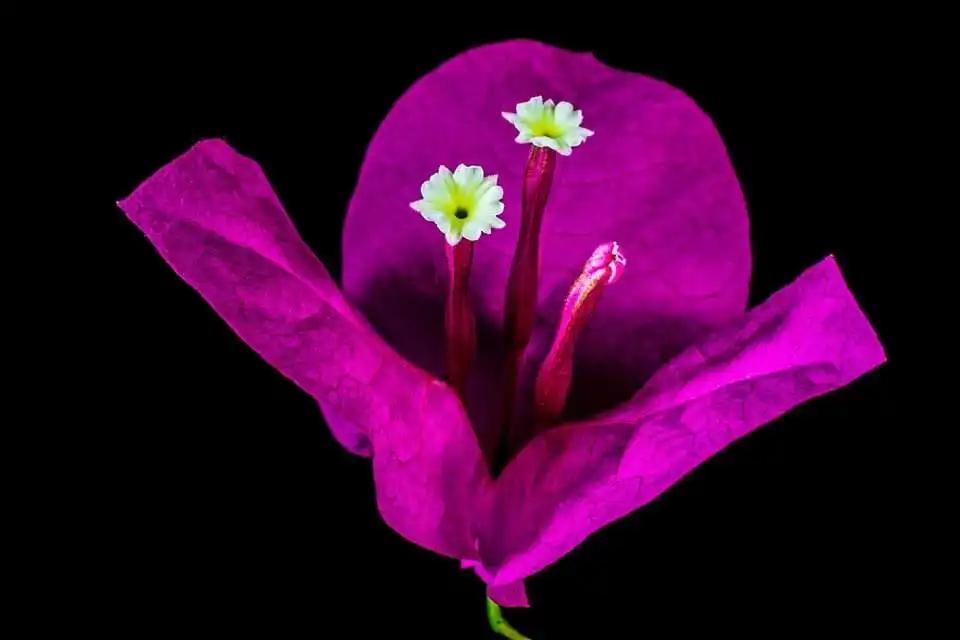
x=544, y=124
x=462, y=204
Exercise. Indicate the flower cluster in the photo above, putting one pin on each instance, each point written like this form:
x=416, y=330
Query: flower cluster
x=465, y=204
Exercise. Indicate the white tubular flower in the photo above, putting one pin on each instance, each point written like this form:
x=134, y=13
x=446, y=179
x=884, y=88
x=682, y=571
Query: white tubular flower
x=462, y=204
x=544, y=124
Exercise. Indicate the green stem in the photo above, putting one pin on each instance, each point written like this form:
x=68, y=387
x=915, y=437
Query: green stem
x=499, y=625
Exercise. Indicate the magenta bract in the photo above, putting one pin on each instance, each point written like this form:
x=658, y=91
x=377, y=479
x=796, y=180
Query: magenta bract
x=668, y=372
x=655, y=178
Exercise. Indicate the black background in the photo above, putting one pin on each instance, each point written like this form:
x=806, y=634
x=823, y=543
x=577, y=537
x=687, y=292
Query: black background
x=219, y=503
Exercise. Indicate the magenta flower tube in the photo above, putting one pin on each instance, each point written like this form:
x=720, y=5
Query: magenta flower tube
x=521, y=301
x=459, y=321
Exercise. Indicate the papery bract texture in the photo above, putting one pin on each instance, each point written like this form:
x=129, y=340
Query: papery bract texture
x=214, y=218
x=806, y=340
x=655, y=178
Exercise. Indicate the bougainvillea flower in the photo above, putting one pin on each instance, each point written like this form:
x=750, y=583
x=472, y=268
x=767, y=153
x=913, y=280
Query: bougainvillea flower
x=662, y=373
x=545, y=124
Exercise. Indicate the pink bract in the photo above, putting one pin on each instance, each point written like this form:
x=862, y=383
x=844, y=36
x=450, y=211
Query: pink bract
x=671, y=362
x=655, y=177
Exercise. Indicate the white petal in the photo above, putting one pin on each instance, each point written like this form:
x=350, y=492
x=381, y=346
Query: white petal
x=472, y=230
x=543, y=141
x=468, y=176
x=452, y=238
x=488, y=210
x=530, y=109
x=486, y=185
x=563, y=113
x=496, y=222
x=557, y=145
x=490, y=197
x=436, y=187
x=524, y=137
x=426, y=210
x=510, y=117
x=432, y=215
x=571, y=139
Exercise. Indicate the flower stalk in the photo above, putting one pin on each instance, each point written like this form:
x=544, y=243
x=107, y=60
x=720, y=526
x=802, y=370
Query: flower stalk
x=604, y=267
x=521, y=299
x=459, y=319
x=499, y=624
x=550, y=128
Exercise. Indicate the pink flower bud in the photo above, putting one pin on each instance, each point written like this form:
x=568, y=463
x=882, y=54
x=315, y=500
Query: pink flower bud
x=604, y=267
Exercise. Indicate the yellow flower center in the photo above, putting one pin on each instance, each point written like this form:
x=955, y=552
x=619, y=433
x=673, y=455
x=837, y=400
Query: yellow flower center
x=458, y=202
x=545, y=125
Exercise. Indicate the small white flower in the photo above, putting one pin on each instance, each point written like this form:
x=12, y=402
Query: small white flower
x=462, y=204
x=545, y=125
